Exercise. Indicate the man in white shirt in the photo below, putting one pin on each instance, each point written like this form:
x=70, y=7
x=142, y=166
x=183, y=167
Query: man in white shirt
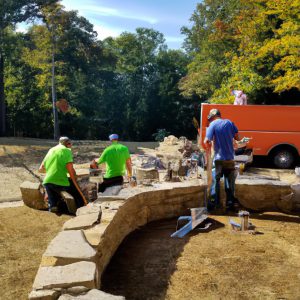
x=240, y=97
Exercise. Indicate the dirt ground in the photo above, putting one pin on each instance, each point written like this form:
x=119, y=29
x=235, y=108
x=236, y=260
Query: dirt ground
x=217, y=264
x=24, y=236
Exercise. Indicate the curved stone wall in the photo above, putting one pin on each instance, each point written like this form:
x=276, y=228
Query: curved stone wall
x=75, y=259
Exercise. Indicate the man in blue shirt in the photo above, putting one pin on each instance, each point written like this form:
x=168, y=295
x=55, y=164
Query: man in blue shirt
x=222, y=132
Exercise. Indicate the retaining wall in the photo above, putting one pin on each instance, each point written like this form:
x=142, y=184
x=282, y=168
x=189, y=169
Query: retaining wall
x=76, y=258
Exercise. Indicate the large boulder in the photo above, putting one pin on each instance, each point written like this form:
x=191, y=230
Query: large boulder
x=264, y=195
x=33, y=195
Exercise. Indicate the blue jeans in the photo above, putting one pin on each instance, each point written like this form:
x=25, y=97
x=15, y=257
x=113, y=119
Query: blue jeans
x=224, y=168
x=54, y=190
x=108, y=182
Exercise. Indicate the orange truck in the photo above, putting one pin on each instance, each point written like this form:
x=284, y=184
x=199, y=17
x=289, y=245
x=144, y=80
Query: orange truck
x=274, y=130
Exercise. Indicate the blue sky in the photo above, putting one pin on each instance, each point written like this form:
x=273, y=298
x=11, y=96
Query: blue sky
x=112, y=17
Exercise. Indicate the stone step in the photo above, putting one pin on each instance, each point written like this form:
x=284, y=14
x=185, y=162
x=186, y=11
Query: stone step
x=78, y=274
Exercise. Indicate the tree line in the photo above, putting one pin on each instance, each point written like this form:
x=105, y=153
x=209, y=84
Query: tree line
x=252, y=45
x=133, y=84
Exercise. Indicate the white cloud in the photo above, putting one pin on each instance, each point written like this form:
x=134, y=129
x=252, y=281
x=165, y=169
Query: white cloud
x=104, y=32
x=110, y=12
x=174, y=39
x=22, y=27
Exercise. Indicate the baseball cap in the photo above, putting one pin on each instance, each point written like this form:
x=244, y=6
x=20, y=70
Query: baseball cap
x=113, y=136
x=213, y=113
x=64, y=140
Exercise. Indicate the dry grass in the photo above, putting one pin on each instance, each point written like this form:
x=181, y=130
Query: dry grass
x=213, y=265
x=24, y=236
x=226, y=265
x=217, y=264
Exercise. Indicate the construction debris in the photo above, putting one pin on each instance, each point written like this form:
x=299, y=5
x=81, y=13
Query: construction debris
x=173, y=160
x=198, y=215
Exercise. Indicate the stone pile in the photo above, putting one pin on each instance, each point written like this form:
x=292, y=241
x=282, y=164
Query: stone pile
x=176, y=159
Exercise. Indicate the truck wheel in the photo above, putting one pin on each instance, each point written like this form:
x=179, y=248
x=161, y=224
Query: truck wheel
x=283, y=159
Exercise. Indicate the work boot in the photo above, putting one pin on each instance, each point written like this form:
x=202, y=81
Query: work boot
x=53, y=209
x=232, y=207
x=214, y=207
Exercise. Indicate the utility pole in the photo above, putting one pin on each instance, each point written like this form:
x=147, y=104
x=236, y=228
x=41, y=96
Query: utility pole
x=53, y=89
x=53, y=85
x=2, y=98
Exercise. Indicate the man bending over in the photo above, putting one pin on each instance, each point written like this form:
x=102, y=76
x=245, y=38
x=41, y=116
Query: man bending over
x=117, y=160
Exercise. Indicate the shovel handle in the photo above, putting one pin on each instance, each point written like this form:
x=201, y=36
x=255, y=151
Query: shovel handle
x=80, y=192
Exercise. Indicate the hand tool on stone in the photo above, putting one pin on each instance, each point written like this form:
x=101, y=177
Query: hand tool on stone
x=80, y=192
x=208, y=173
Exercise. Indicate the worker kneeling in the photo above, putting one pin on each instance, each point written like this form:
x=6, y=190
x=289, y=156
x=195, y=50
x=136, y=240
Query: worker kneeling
x=117, y=160
x=57, y=164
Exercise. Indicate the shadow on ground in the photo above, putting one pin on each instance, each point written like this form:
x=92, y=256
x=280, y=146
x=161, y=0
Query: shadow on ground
x=277, y=217
x=144, y=263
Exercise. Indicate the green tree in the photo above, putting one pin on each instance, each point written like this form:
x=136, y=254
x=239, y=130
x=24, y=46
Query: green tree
x=207, y=42
x=137, y=68
x=77, y=59
x=173, y=111
x=253, y=46
x=11, y=13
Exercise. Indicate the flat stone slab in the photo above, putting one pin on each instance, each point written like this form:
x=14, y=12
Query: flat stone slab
x=260, y=181
x=68, y=247
x=115, y=205
x=89, y=209
x=102, y=198
x=92, y=295
x=43, y=295
x=82, y=221
x=94, y=234
x=108, y=215
x=76, y=290
x=78, y=274
x=112, y=190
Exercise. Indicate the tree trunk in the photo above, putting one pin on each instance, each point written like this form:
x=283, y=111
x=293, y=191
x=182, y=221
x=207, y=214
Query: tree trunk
x=2, y=98
x=55, y=114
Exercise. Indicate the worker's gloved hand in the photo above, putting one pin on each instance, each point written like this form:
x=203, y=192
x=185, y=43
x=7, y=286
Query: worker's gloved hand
x=132, y=181
x=245, y=140
x=94, y=165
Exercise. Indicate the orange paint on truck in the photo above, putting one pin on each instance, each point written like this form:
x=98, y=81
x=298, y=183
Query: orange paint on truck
x=274, y=130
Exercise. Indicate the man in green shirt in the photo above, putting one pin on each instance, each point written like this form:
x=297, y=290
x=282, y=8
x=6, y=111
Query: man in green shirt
x=117, y=160
x=57, y=164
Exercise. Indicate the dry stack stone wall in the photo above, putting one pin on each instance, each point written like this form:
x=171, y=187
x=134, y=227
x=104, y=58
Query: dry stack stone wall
x=75, y=259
